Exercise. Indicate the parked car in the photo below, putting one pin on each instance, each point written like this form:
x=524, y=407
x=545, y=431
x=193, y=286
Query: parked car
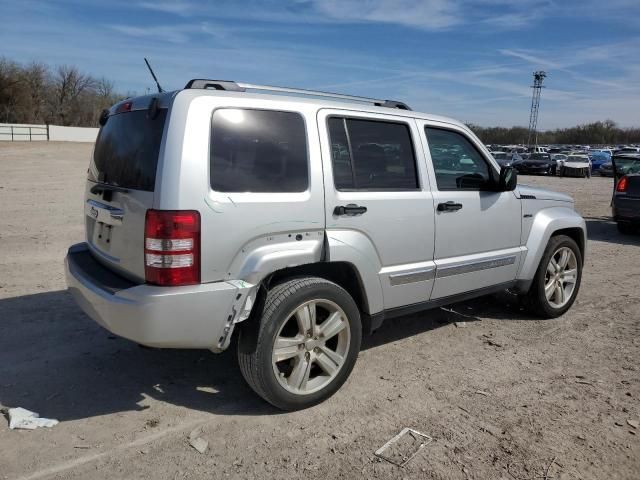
x=536, y=164
x=291, y=222
x=576, y=166
x=606, y=169
x=559, y=158
x=598, y=159
x=501, y=157
x=626, y=196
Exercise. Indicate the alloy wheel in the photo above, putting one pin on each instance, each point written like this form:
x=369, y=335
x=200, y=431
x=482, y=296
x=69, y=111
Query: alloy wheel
x=561, y=277
x=311, y=346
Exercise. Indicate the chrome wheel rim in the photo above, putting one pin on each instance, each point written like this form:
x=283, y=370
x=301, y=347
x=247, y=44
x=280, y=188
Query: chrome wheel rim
x=311, y=347
x=561, y=277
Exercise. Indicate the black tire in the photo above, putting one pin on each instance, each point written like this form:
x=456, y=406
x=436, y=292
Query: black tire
x=625, y=228
x=535, y=298
x=256, y=364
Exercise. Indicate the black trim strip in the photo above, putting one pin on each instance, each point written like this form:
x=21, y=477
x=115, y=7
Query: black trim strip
x=373, y=322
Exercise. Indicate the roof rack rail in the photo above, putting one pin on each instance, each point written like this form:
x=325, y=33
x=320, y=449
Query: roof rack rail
x=199, y=83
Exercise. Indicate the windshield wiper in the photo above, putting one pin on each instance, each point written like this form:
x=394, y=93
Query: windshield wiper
x=107, y=190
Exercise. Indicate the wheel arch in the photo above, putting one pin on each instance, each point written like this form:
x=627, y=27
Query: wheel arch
x=546, y=224
x=344, y=274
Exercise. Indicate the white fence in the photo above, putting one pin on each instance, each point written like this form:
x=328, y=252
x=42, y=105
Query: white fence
x=55, y=133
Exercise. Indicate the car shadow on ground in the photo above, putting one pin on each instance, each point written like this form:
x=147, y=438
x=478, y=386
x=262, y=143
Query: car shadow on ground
x=604, y=229
x=55, y=361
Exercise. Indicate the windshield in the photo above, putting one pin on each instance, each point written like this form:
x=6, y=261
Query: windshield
x=577, y=159
x=627, y=165
x=540, y=156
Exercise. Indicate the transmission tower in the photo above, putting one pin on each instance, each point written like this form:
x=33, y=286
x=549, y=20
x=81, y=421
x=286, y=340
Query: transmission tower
x=538, y=77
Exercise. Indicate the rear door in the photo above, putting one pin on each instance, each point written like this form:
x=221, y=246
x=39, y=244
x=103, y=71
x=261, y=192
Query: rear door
x=378, y=199
x=121, y=183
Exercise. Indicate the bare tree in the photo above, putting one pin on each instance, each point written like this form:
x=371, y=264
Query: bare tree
x=69, y=84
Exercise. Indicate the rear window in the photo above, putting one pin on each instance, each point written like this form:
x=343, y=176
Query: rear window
x=372, y=155
x=262, y=151
x=127, y=149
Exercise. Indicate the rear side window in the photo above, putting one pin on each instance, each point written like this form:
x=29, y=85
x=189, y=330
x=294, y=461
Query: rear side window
x=258, y=151
x=372, y=155
x=127, y=149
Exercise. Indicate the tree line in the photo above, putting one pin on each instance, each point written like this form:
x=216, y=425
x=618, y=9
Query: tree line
x=63, y=95
x=596, y=133
x=36, y=93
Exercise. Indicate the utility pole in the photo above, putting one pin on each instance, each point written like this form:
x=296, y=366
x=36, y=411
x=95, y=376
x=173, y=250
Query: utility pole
x=538, y=77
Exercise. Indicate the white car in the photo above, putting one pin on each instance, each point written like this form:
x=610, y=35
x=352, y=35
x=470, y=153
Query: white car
x=576, y=166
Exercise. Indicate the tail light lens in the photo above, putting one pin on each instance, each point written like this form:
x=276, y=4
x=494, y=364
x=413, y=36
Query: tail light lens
x=172, y=247
x=623, y=183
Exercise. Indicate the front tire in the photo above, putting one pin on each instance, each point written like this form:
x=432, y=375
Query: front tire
x=557, y=280
x=307, y=345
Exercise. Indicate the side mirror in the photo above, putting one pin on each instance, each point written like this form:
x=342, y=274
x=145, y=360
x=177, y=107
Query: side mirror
x=508, y=179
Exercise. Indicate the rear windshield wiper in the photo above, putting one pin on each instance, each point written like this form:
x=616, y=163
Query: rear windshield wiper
x=107, y=190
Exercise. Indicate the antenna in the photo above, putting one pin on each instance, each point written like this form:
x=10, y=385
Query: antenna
x=160, y=90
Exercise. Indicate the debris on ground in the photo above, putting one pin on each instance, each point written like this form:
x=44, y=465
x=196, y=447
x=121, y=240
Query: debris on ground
x=483, y=393
x=490, y=341
x=633, y=423
x=403, y=447
x=21, y=418
x=200, y=444
x=197, y=442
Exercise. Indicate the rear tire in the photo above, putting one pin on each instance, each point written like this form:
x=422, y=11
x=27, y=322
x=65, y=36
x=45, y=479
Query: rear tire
x=307, y=345
x=557, y=280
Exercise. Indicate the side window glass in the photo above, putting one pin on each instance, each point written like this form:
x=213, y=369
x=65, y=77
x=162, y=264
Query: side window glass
x=457, y=163
x=372, y=155
x=258, y=151
x=340, y=155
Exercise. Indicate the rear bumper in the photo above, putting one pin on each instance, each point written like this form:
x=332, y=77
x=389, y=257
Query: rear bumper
x=197, y=316
x=626, y=209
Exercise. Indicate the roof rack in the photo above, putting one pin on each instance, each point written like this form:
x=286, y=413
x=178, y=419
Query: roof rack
x=232, y=86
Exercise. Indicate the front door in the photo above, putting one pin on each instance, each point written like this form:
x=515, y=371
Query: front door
x=378, y=200
x=477, y=243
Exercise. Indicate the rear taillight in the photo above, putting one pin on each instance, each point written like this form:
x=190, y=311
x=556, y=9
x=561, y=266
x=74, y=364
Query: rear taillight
x=172, y=247
x=623, y=183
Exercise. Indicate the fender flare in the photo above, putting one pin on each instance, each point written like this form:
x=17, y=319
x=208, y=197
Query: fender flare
x=545, y=223
x=355, y=248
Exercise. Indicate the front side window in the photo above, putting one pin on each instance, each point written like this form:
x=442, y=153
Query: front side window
x=372, y=155
x=457, y=163
x=260, y=151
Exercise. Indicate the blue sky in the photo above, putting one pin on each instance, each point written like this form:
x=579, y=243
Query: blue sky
x=472, y=60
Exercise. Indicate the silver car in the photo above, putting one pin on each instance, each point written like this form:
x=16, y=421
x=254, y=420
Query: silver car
x=295, y=221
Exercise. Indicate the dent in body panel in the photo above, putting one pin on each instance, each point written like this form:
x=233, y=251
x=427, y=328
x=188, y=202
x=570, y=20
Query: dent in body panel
x=267, y=254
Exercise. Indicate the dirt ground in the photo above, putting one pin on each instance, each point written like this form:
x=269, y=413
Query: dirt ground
x=504, y=396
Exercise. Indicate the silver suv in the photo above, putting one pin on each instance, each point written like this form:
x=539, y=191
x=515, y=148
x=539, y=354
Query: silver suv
x=299, y=220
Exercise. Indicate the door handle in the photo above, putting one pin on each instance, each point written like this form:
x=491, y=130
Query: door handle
x=449, y=207
x=351, y=209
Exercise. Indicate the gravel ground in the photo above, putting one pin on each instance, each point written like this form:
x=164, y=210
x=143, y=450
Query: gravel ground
x=504, y=396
